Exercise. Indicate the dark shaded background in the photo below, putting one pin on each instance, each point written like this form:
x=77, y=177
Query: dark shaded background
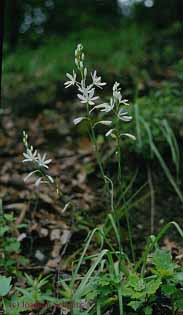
x=124, y=39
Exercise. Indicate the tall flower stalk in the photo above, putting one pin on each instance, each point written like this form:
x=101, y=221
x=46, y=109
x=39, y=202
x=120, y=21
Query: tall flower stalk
x=87, y=96
x=38, y=163
x=115, y=108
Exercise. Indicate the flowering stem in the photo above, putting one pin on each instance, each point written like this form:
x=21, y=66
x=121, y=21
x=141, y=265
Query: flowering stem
x=118, y=145
x=119, y=159
x=97, y=153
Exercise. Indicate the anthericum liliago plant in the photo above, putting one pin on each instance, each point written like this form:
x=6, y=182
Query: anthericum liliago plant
x=116, y=111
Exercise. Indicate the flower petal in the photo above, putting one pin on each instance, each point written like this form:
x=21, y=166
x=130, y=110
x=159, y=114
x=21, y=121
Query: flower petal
x=77, y=121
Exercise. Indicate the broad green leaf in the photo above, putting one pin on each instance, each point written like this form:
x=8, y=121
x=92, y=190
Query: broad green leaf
x=135, y=304
x=179, y=304
x=148, y=310
x=14, y=246
x=3, y=230
x=178, y=277
x=152, y=286
x=4, y=285
x=162, y=260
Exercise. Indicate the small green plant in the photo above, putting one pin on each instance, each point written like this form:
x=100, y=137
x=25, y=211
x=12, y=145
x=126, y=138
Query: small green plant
x=10, y=257
x=171, y=276
x=36, y=295
x=39, y=164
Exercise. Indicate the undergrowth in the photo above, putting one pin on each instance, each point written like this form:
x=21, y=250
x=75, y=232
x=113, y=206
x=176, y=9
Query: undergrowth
x=111, y=280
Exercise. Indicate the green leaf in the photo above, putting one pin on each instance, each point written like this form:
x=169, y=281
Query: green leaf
x=126, y=291
x=179, y=304
x=3, y=230
x=138, y=295
x=162, y=260
x=169, y=289
x=4, y=285
x=135, y=304
x=178, y=277
x=133, y=280
x=13, y=246
x=9, y=217
x=148, y=310
x=152, y=286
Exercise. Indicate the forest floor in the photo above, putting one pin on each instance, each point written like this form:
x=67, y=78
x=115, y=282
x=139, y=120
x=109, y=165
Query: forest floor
x=54, y=234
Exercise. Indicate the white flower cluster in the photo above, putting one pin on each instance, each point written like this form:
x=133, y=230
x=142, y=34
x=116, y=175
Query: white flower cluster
x=86, y=95
x=38, y=162
x=118, y=112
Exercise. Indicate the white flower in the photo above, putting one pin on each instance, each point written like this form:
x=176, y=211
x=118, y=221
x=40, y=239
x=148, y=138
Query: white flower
x=105, y=107
x=50, y=178
x=29, y=175
x=72, y=79
x=117, y=96
x=83, y=88
x=87, y=96
x=110, y=133
x=125, y=102
x=77, y=121
x=115, y=86
x=39, y=162
x=129, y=135
x=42, y=162
x=123, y=115
x=103, y=122
x=30, y=155
x=97, y=80
x=79, y=50
x=79, y=56
x=39, y=181
x=85, y=72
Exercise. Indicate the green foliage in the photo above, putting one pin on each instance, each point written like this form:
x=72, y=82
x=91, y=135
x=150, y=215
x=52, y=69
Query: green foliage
x=171, y=275
x=10, y=256
x=161, y=110
x=4, y=285
x=162, y=260
x=140, y=293
x=35, y=294
x=112, y=279
x=39, y=72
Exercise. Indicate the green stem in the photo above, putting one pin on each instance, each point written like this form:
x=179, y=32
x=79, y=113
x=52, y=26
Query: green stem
x=98, y=308
x=120, y=298
x=119, y=158
x=94, y=141
x=97, y=153
x=130, y=234
x=173, y=308
x=120, y=184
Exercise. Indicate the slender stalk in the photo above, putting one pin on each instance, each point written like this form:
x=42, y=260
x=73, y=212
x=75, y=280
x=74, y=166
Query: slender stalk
x=152, y=193
x=119, y=158
x=97, y=153
x=118, y=145
x=173, y=308
x=98, y=157
x=120, y=298
x=98, y=308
